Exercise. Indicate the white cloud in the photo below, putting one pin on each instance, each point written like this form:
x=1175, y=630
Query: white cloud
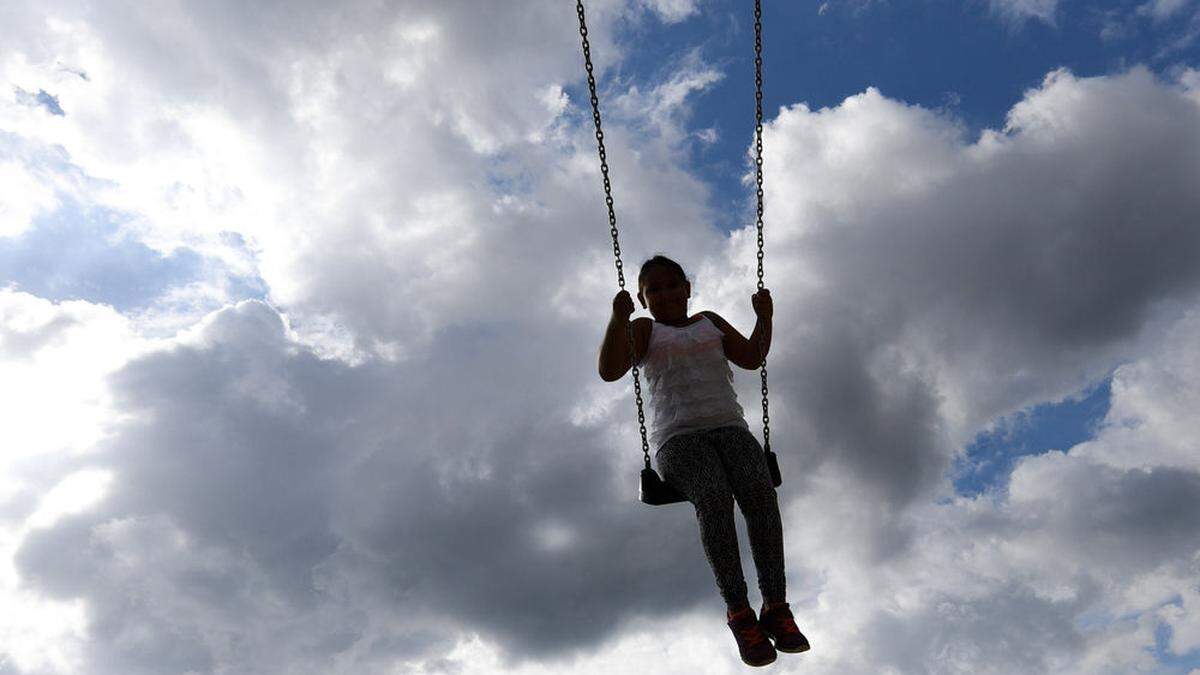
x=287, y=152
x=22, y=197
x=992, y=264
x=55, y=409
x=1043, y=10
x=664, y=108
x=1184, y=620
x=75, y=493
x=1170, y=27
x=55, y=359
x=1010, y=10
x=672, y=11
x=1161, y=10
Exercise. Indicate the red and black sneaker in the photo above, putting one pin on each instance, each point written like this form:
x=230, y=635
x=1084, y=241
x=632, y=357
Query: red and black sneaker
x=779, y=624
x=753, y=645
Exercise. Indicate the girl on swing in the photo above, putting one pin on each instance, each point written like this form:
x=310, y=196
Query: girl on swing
x=705, y=448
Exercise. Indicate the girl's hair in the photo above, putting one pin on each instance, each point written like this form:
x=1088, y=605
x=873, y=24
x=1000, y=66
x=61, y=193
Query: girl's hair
x=660, y=261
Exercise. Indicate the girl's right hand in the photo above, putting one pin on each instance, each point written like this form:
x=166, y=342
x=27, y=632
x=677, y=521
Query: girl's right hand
x=623, y=305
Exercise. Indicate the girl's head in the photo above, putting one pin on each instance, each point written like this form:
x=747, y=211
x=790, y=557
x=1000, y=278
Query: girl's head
x=663, y=288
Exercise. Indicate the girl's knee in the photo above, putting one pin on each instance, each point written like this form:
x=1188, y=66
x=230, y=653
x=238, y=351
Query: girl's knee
x=759, y=501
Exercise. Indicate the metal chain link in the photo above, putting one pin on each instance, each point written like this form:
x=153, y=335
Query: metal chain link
x=612, y=219
x=758, y=179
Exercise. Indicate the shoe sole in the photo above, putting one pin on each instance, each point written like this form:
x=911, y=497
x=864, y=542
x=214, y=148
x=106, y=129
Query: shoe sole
x=787, y=650
x=759, y=663
x=799, y=650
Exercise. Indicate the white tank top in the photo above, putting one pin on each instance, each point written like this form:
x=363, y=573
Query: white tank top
x=690, y=381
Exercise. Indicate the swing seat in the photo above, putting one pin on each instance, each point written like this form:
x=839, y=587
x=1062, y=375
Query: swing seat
x=654, y=491
x=773, y=467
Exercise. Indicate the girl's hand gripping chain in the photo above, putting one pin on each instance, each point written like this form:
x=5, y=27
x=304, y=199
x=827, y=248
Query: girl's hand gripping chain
x=763, y=308
x=623, y=305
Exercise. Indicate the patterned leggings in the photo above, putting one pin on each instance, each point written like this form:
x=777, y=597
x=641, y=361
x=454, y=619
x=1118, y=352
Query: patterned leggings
x=712, y=468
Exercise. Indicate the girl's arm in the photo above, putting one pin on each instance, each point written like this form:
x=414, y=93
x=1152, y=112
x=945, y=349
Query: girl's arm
x=614, y=352
x=761, y=327
x=741, y=351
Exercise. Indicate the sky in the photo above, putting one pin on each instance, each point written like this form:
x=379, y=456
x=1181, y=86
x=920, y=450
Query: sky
x=301, y=303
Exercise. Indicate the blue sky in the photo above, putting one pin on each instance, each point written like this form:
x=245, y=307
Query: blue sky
x=1047, y=426
x=300, y=309
x=74, y=254
x=70, y=255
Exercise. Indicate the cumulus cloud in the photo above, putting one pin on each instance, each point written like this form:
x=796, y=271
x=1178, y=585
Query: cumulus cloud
x=672, y=11
x=1026, y=9
x=1160, y=10
x=403, y=458
x=1029, y=256
x=1020, y=10
x=341, y=513
x=24, y=197
x=663, y=108
x=1086, y=549
x=303, y=156
x=1009, y=10
x=35, y=180
x=56, y=408
x=1174, y=23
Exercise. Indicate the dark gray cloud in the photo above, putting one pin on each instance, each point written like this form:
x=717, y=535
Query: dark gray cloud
x=1122, y=521
x=952, y=634
x=258, y=478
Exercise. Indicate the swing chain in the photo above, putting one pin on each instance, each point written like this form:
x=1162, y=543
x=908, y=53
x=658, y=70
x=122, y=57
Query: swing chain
x=612, y=218
x=758, y=179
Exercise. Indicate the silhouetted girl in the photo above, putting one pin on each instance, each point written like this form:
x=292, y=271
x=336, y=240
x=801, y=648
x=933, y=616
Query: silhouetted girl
x=705, y=448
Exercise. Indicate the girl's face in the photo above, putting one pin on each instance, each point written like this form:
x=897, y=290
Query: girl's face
x=665, y=294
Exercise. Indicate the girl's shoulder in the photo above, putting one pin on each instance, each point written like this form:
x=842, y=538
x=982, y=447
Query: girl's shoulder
x=720, y=323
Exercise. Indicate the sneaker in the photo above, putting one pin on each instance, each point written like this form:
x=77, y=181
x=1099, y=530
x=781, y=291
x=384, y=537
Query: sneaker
x=779, y=624
x=753, y=645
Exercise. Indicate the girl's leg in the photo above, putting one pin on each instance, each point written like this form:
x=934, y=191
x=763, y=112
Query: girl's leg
x=690, y=464
x=746, y=469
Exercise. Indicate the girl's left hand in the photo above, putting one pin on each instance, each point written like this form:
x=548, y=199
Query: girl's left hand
x=763, y=308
